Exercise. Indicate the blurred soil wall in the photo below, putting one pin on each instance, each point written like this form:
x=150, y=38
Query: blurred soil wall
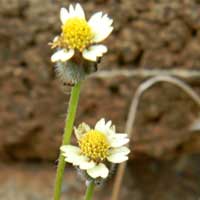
x=153, y=34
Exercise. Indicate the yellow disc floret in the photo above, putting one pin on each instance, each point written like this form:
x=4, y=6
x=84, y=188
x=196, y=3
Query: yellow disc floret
x=76, y=34
x=94, y=145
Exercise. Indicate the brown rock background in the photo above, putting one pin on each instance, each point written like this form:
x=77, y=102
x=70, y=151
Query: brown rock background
x=153, y=34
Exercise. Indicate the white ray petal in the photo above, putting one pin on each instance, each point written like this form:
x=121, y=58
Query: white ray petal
x=118, y=140
x=101, y=26
x=108, y=124
x=73, y=155
x=99, y=170
x=76, y=159
x=69, y=148
x=71, y=11
x=87, y=165
x=62, y=55
x=95, y=17
x=106, y=128
x=64, y=15
x=121, y=150
x=79, y=12
x=117, y=158
x=94, y=52
x=100, y=124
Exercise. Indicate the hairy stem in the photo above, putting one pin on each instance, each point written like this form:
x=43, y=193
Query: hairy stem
x=89, y=191
x=73, y=102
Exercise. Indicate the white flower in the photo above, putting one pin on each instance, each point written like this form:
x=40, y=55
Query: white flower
x=81, y=35
x=97, y=147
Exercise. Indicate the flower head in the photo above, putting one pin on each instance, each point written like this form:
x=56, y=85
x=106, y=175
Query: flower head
x=97, y=147
x=80, y=35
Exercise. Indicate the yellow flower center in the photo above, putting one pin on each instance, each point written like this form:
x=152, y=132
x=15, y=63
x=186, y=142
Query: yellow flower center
x=76, y=34
x=94, y=145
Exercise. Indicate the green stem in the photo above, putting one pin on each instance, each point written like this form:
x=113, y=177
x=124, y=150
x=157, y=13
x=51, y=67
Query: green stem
x=90, y=191
x=69, y=122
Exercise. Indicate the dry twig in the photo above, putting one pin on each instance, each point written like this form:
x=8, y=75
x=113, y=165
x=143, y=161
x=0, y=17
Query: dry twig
x=146, y=73
x=132, y=115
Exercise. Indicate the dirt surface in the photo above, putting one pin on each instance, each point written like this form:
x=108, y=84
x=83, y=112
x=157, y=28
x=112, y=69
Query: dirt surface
x=145, y=179
x=158, y=34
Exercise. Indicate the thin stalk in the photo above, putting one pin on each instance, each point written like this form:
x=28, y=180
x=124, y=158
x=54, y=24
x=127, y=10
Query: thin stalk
x=143, y=87
x=89, y=191
x=69, y=122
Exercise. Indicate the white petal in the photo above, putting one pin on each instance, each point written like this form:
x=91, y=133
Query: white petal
x=101, y=26
x=99, y=170
x=117, y=158
x=71, y=11
x=69, y=148
x=76, y=159
x=72, y=154
x=120, y=135
x=64, y=15
x=108, y=124
x=100, y=124
x=62, y=55
x=121, y=150
x=118, y=141
x=118, y=155
x=105, y=128
x=87, y=165
x=93, y=52
x=78, y=11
